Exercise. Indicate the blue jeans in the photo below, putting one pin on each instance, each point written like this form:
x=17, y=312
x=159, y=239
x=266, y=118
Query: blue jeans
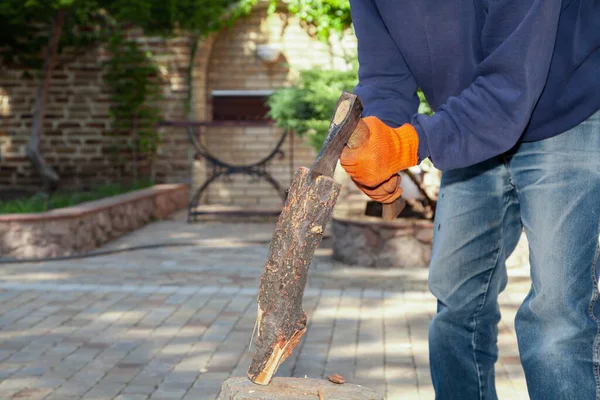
x=551, y=188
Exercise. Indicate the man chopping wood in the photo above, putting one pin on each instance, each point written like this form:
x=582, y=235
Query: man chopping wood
x=516, y=89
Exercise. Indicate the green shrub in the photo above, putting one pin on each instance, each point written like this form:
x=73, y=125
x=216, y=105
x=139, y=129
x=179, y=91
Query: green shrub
x=39, y=203
x=307, y=108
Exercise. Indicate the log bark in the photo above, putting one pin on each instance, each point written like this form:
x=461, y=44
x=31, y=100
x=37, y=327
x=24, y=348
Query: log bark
x=281, y=320
x=49, y=177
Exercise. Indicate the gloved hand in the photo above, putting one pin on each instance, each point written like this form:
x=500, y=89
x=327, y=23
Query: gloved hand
x=384, y=193
x=374, y=165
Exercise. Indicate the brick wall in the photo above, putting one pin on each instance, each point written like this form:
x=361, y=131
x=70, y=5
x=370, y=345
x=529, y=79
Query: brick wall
x=233, y=65
x=75, y=140
x=173, y=161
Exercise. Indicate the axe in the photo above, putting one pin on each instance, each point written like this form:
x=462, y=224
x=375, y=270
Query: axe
x=281, y=321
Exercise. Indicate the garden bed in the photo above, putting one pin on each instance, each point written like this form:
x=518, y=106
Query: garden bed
x=14, y=201
x=366, y=240
x=86, y=226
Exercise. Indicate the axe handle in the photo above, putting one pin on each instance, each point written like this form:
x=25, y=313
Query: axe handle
x=361, y=135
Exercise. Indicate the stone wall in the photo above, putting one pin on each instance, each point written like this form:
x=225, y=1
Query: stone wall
x=84, y=227
x=373, y=242
x=75, y=140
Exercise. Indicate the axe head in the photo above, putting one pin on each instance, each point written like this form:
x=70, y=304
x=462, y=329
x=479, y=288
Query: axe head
x=346, y=117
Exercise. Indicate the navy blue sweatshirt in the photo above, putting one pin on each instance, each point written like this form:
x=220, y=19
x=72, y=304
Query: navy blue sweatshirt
x=495, y=71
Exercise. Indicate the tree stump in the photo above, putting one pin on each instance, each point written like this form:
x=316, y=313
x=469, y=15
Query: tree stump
x=294, y=389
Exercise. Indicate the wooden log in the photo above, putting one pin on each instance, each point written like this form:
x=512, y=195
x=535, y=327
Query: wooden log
x=281, y=320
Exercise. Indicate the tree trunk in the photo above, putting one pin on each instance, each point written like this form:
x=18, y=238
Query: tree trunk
x=49, y=177
x=281, y=320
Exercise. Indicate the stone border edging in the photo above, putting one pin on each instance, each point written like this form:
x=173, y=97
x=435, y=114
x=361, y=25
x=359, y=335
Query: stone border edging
x=373, y=242
x=93, y=206
x=88, y=225
x=395, y=224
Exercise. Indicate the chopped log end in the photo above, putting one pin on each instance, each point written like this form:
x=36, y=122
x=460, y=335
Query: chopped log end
x=280, y=353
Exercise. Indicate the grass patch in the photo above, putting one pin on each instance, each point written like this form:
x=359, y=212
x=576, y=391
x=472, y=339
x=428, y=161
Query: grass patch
x=39, y=203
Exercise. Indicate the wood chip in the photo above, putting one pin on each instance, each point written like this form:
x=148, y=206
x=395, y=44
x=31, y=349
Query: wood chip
x=320, y=394
x=336, y=378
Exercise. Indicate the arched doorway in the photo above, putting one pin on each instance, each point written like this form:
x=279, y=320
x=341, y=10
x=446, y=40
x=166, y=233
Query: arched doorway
x=246, y=62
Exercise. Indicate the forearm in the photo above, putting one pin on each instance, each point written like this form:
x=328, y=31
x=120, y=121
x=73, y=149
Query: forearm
x=488, y=117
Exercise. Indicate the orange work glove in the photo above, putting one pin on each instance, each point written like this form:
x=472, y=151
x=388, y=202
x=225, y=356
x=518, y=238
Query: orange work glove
x=374, y=165
x=385, y=193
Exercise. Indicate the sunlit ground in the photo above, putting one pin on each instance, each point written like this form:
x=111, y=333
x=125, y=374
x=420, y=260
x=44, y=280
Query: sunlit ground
x=175, y=322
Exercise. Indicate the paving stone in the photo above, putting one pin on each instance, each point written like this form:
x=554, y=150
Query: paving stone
x=139, y=389
x=23, y=356
x=225, y=360
x=50, y=382
x=177, y=377
x=126, y=396
x=32, y=371
x=83, y=355
x=121, y=375
x=104, y=390
x=201, y=394
x=168, y=394
x=17, y=383
x=55, y=396
x=32, y=393
x=7, y=370
x=71, y=388
x=174, y=386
